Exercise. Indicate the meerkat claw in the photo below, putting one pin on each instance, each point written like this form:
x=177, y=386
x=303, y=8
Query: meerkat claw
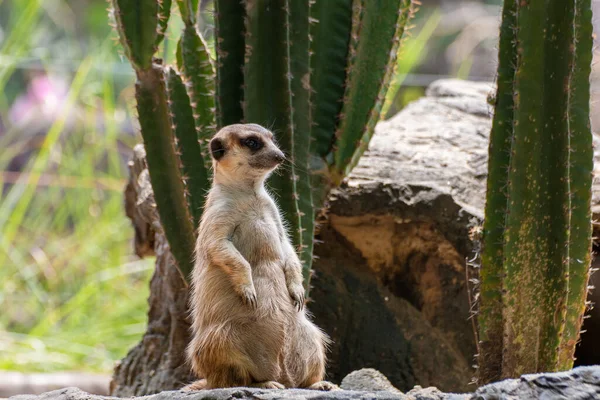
x=249, y=297
x=297, y=295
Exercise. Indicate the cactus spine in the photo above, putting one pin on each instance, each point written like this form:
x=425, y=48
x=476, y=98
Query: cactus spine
x=314, y=72
x=536, y=259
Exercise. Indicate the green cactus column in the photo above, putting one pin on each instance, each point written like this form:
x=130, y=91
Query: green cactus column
x=196, y=67
x=378, y=28
x=537, y=225
x=141, y=26
x=269, y=74
x=536, y=259
x=194, y=173
x=496, y=208
x=230, y=49
x=581, y=173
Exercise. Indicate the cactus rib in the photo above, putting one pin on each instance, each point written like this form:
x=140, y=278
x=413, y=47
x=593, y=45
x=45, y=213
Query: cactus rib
x=331, y=23
x=489, y=317
x=137, y=24
x=196, y=67
x=581, y=173
x=188, y=10
x=537, y=228
x=299, y=45
x=163, y=166
x=382, y=24
x=229, y=43
x=196, y=176
x=164, y=12
x=267, y=93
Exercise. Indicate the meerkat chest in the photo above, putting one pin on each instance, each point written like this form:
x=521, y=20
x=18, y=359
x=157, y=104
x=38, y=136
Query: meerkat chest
x=256, y=235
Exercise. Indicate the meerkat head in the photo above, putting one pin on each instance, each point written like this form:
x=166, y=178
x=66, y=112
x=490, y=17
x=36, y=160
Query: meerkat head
x=244, y=152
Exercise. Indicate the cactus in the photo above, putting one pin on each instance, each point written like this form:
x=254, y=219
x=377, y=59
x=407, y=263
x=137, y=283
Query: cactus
x=196, y=66
x=230, y=46
x=314, y=72
x=163, y=165
x=537, y=233
x=492, y=256
x=581, y=173
x=194, y=173
x=164, y=12
x=379, y=28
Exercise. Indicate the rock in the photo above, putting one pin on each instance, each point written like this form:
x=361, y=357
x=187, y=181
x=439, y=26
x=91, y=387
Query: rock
x=389, y=284
x=579, y=383
x=228, y=394
x=431, y=393
x=367, y=379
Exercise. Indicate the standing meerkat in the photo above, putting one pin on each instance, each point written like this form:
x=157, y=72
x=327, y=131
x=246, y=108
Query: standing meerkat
x=250, y=327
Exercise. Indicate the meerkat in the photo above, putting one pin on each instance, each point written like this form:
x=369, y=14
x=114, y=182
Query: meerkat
x=250, y=327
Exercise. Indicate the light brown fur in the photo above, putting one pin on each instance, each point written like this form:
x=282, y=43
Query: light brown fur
x=250, y=327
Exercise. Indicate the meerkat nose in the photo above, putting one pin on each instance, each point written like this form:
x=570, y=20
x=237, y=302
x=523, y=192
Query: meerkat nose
x=279, y=157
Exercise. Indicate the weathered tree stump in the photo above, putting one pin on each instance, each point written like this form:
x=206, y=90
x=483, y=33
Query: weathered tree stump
x=158, y=362
x=390, y=274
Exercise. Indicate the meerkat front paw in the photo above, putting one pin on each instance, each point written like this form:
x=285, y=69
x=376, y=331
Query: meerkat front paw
x=297, y=295
x=248, y=295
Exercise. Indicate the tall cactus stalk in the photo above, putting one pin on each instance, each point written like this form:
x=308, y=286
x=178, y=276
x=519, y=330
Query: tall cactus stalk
x=230, y=45
x=195, y=175
x=268, y=93
x=537, y=233
x=580, y=179
x=379, y=28
x=314, y=72
x=492, y=257
x=140, y=27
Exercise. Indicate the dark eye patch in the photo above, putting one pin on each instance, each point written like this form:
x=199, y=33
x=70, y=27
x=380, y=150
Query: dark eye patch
x=217, y=149
x=252, y=142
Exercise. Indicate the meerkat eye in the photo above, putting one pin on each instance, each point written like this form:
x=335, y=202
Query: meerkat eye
x=252, y=143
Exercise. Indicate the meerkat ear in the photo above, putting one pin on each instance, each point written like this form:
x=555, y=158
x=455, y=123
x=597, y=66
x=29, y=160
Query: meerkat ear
x=217, y=149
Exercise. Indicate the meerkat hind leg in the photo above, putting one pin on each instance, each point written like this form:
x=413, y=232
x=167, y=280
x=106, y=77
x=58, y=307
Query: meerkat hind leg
x=196, y=385
x=267, y=385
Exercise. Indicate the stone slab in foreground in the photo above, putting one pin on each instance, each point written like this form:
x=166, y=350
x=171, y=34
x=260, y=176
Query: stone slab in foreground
x=579, y=383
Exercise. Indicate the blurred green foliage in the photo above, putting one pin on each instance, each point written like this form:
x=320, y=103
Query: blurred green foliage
x=72, y=294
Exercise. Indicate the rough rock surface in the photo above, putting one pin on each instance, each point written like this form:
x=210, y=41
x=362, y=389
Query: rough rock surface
x=580, y=383
x=389, y=283
x=367, y=379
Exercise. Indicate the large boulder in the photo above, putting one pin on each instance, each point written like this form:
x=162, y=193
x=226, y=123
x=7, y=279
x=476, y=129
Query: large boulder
x=389, y=283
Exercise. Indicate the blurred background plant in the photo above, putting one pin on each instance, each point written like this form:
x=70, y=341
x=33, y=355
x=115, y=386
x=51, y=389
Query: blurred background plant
x=72, y=294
